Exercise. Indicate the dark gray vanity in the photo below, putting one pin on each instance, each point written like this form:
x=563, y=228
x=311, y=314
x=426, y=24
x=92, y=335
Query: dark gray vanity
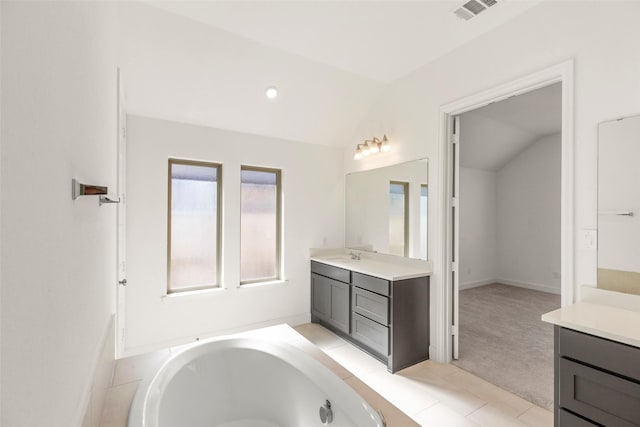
x=597, y=360
x=597, y=381
x=387, y=318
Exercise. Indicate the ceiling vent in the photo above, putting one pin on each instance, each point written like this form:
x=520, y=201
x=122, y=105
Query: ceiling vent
x=472, y=8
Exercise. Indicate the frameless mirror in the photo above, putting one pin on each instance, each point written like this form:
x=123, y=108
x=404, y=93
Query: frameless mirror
x=386, y=209
x=619, y=205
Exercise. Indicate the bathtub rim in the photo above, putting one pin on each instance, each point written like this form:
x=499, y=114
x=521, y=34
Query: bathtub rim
x=144, y=408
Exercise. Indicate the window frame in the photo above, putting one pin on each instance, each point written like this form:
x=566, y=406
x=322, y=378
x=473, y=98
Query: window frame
x=406, y=232
x=279, y=208
x=173, y=161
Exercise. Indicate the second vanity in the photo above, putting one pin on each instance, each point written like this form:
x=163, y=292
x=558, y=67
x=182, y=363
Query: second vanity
x=378, y=302
x=597, y=361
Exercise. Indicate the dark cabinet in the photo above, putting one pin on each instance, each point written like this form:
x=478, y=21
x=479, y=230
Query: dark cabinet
x=330, y=301
x=597, y=381
x=388, y=319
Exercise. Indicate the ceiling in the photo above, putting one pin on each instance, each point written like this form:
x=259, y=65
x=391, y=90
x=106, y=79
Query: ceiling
x=378, y=40
x=493, y=135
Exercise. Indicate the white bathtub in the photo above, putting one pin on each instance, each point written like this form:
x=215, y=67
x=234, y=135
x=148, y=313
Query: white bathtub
x=245, y=382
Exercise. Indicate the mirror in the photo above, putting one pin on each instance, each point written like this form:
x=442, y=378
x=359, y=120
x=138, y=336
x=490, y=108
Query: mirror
x=619, y=205
x=386, y=209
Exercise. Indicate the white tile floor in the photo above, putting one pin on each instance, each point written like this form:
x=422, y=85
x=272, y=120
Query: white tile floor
x=432, y=394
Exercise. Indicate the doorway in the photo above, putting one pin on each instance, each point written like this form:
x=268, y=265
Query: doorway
x=508, y=194
x=446, y=303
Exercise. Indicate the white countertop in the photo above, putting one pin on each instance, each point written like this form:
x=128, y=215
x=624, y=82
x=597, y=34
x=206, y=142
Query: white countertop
x=613, y=323
x=387, y=267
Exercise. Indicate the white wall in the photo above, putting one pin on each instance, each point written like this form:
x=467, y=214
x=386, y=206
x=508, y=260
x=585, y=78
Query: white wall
x=602, y=39
x=313, y=188
x=510, y=221
x=528, y=215
x=179, y=69
x=58, y=263
x=478, y=227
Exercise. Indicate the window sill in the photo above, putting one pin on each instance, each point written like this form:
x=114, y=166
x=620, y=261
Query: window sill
x=189, y=295
x=263, y=285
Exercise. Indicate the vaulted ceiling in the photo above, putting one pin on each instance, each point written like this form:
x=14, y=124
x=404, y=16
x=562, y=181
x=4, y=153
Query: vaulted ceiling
x=493, y=135
x=209, y=62
x=380, y=40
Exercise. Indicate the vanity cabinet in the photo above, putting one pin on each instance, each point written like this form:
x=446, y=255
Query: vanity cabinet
x=597, y=381
x=387, y=318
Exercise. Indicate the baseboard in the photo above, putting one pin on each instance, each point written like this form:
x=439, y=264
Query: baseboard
x=294, y=320
x=519, y=284
x=477, y=284
x=532, y=286
x=102, y=374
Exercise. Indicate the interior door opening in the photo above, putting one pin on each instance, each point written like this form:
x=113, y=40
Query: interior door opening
x=506, y=239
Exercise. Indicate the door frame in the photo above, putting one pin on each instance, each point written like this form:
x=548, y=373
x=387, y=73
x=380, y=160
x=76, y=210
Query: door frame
x=564, y=73
x=121, y=248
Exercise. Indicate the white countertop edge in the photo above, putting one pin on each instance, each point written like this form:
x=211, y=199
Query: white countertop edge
x=612, y=323
x=400, y=272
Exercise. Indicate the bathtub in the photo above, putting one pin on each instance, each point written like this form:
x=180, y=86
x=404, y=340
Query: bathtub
x=247, y=382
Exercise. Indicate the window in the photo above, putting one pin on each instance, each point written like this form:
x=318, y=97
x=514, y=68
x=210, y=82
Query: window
x=194, y=225
x=398, y=218
x=259, y=224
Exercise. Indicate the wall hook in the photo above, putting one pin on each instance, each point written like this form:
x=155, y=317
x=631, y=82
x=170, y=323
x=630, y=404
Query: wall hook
x=108, y=199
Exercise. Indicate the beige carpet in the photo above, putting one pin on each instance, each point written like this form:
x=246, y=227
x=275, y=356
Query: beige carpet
x=503, y=340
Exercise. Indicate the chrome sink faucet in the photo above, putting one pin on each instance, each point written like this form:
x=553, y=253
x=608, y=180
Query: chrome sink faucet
x=355, y=255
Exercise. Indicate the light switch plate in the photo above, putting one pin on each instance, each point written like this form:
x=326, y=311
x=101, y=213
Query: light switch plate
x=590, y=239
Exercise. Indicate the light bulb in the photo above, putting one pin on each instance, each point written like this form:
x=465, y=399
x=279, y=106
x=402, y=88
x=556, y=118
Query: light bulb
x=358, y=154
x=271, y=92
x=385, y=144
x=375, y=147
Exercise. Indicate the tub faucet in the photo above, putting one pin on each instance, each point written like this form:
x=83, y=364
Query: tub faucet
x=355, y=255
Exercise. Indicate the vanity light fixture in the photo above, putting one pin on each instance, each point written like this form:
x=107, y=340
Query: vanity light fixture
x=372, y=146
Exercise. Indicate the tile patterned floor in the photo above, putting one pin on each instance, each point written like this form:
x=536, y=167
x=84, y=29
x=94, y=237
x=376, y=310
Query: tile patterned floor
x=431, y=393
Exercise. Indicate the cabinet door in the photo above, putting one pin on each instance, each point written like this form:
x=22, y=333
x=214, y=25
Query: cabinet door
x=330, y=301
x=321, y=297
x=340, y=305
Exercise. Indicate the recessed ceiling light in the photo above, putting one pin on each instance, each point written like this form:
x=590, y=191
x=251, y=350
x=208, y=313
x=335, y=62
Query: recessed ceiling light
x=272, y=92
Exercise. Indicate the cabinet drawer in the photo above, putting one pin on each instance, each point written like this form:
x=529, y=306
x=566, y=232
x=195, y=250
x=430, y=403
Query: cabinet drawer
x=567, y=419
x=599, y=396
x=370, y=305
x=370, y=283
x=613, y=356
x=330, y=271
x=372, y=334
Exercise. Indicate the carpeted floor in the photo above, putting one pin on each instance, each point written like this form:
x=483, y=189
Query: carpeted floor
x=503, y=340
